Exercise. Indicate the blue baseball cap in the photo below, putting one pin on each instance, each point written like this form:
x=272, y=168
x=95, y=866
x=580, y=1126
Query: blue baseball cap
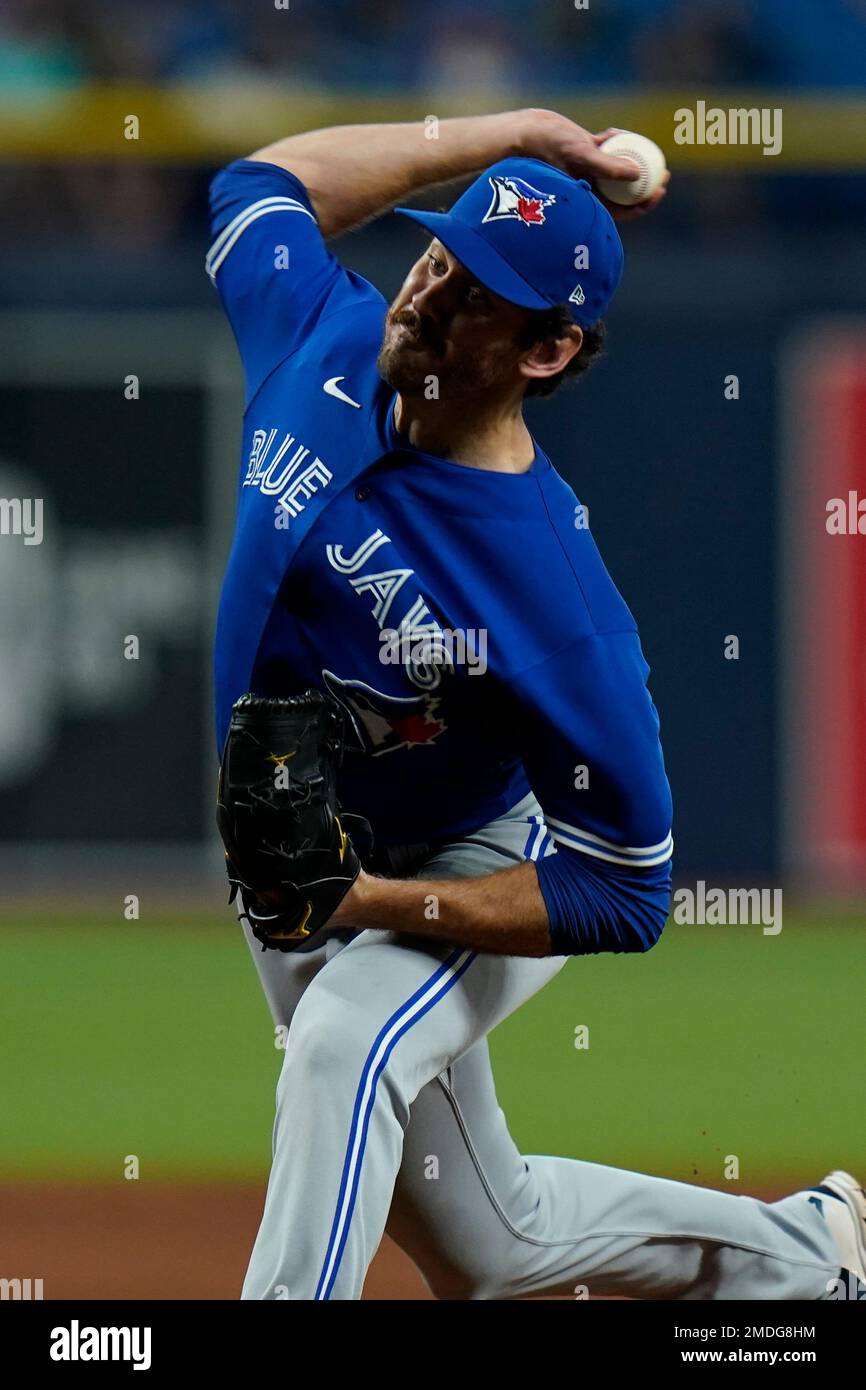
x=535, y=236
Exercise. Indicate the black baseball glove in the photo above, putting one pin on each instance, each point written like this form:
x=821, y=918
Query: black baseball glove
x=287, y=853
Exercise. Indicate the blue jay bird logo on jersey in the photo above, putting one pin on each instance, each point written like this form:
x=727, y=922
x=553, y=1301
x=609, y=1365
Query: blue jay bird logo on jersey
x=518, y=200
x=385, y=723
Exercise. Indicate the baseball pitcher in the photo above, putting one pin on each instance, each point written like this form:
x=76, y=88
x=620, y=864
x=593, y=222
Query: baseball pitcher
x=441, y=774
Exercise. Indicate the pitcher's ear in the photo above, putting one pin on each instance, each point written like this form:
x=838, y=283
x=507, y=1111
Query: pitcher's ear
x=551, y=355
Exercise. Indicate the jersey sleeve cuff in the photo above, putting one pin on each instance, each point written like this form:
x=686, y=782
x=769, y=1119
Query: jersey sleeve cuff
x=634, y=857
x=595, y=906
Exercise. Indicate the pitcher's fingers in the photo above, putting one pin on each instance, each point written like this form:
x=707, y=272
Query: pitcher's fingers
x=628, y=214
x=614, y=166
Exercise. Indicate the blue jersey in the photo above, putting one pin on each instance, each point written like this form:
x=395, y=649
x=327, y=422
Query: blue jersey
x=463, y=617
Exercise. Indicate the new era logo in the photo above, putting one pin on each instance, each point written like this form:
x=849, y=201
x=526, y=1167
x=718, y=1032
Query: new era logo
x=577, y=295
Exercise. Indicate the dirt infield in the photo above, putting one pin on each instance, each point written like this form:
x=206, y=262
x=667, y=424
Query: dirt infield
x=135, y=1241
x=131, y=1240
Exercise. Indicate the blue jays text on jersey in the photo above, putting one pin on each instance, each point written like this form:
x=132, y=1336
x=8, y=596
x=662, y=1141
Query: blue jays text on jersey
x=351, y=545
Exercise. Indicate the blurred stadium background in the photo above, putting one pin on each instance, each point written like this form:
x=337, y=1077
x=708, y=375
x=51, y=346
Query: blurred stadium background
x=146, y=1036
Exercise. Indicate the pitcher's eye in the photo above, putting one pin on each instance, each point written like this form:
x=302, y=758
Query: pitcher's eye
x=476, y=298
x=436, y=264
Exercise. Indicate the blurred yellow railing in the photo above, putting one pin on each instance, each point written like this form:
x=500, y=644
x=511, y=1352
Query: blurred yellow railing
x=207, y=124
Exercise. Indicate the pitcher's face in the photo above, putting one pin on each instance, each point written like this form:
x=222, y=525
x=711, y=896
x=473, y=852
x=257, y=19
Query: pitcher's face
x=443, y=324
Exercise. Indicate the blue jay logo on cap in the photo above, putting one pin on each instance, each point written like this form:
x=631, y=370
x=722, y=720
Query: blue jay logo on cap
x=517, y=199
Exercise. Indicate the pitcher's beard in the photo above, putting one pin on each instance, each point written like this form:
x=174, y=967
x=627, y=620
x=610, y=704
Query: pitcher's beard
x=413, y=374
x=401, y=373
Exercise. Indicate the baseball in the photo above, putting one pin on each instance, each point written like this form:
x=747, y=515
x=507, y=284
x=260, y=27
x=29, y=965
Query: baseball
x=645, y=153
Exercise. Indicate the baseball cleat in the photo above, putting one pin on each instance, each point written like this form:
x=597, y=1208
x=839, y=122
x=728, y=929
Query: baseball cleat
x=842, y=1202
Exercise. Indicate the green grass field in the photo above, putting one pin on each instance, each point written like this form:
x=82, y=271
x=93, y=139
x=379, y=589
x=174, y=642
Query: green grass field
x=154, y=1040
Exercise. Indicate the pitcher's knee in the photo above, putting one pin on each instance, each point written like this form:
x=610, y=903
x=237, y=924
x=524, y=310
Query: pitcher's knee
x=459, y=1283
x=337, y=1047
x=329, y=1035
x=473, y=1268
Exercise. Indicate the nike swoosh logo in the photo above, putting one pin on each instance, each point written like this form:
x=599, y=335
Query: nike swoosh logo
x=332, y=388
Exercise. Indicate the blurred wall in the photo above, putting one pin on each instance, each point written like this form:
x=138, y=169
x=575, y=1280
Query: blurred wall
x=690, y=493
x=682, y=484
